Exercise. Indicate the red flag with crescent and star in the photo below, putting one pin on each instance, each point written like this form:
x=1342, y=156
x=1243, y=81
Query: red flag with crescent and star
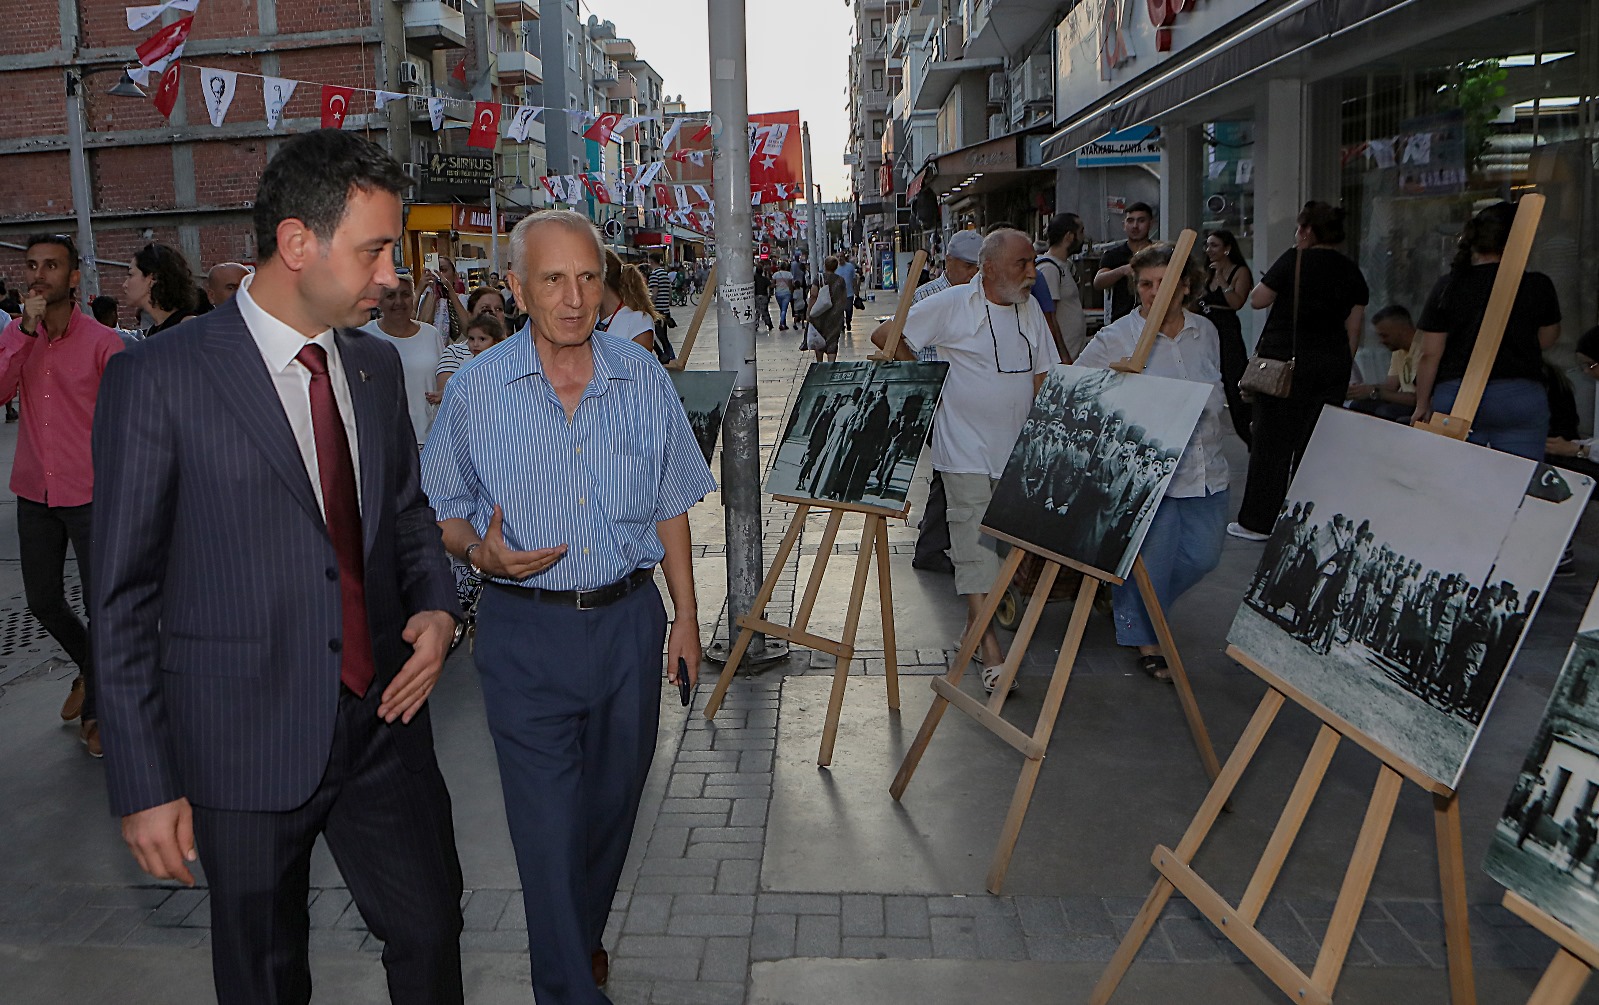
x=485, y=125
x=335, y=105
x=164, y=42
x=166, y=94
x=600, y=131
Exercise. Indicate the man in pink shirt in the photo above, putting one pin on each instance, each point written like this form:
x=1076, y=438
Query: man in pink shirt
x=55, y=354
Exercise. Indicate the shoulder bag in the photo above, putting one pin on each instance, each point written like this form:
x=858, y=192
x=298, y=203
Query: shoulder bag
x=1274, y=378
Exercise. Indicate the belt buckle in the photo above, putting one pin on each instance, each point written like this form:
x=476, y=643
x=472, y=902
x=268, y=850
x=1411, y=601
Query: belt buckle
x=583, y=602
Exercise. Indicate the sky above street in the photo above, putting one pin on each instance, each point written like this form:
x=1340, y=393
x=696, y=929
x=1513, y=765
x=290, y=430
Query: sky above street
x=798, y=58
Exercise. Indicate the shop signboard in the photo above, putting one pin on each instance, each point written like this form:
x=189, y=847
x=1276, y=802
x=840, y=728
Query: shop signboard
x=452, y=176
x=474, y=220
x=1431, y=153
x=1122, y=148
x=886, y=258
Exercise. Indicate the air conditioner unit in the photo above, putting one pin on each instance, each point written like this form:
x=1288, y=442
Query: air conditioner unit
x=996, y=88
x=1038, y=80
x=410, y=73
x=996, y=126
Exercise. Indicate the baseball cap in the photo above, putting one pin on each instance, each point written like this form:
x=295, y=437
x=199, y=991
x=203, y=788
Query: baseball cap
x=965, y=245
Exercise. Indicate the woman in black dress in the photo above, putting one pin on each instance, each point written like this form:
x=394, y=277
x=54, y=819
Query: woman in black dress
x=1317, y=298
x=1227, y=285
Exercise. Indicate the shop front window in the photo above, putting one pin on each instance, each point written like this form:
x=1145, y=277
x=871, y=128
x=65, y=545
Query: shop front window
x=1229, y=184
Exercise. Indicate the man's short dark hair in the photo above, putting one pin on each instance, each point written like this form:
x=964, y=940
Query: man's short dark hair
x=1063, y=224
x=60, y=241
x=105, y=310
x=310, y=180
x=1393, y=312
x=1140, y=207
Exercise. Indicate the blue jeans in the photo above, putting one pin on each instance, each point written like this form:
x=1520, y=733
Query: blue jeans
x=1183, y=544
x=1513, y=416
x=782, y=308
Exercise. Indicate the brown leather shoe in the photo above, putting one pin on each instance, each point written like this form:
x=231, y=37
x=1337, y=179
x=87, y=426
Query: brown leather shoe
x=73, y=706
x=89, y=736
x=602, y=967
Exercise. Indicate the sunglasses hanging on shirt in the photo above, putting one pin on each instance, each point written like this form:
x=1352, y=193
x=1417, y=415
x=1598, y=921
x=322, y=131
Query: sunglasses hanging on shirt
x=1012, y=357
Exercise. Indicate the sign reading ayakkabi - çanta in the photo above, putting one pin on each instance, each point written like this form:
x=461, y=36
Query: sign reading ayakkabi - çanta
x=1122, y=147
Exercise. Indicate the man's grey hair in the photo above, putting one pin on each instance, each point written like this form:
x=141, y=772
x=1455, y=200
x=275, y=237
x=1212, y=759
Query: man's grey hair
x=575, y=222
x=994, y=244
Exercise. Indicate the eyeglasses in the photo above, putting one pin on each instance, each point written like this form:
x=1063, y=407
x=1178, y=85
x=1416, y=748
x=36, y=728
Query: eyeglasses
x=997, y=364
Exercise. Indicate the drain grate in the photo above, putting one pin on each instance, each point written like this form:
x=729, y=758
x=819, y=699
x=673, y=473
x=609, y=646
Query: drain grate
x=23, y=641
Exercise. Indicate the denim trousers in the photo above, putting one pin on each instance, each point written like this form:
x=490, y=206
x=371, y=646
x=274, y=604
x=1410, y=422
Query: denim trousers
x=782, y=308
x=1513, y=416
x=1182, y=546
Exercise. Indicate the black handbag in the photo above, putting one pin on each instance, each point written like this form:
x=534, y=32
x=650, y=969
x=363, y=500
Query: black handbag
x=1274, y=378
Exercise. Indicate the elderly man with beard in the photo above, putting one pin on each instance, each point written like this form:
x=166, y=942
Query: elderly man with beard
x=999, y=349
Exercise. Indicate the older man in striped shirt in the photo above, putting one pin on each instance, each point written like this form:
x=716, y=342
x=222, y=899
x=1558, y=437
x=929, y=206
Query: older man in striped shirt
x=562, y=468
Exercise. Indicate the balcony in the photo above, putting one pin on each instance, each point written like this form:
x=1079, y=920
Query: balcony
x=517, y=10
x=518, y=67
x=435, y=24
x=607, y=75
x=1018, y=21
x=909, y=28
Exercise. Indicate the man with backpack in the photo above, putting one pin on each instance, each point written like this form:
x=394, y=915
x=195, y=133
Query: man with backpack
x=1067, y=323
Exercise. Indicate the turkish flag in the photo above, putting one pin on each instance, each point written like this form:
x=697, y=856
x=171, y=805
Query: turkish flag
x=166, y=94
x=164, y=42
x=699, y=137
x=459, y=73
x=663, y=195
x=600, y=131
x=335, y=105
x=485, y=125
x=597, y=188
x=549, y=186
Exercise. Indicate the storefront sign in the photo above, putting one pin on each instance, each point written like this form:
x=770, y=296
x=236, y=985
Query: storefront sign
x=995, y=155
x=1138, y=145
x=886, y=258
x=474, y=220
x=447, y=176
x=1431, y=151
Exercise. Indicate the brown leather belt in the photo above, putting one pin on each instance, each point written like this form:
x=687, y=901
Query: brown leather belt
x=585, y=600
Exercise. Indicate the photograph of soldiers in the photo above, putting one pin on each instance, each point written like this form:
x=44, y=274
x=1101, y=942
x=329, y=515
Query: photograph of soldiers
x=704, y=395
x=856, y=431
x=1395, y=588
x=1092, y=462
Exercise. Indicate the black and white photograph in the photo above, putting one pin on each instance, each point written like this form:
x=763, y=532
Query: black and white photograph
x=856, y=431
x=704, y=395
x=1543, y=845
x=1400, y=577
x=1093, y=461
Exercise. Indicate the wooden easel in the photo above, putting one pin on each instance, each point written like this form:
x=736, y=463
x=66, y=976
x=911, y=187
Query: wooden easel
x=1237, y=923
x=874, y=542
x=1576, y=958
x=1033, y=746
x=706, y=296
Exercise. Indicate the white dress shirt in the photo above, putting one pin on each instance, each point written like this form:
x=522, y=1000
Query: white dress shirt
x=1195, y=354
x=279, y=344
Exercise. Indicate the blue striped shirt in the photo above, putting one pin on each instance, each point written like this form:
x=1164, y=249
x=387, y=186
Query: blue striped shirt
x=598, y=484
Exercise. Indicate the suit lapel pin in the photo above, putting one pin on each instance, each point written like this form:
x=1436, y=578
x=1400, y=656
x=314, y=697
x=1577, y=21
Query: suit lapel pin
x=363, y=376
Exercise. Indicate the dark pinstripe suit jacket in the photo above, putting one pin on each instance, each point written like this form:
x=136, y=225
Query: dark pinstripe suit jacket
x=215, y=587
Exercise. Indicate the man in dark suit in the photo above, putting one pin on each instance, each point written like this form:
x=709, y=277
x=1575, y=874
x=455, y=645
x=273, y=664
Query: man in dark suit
x=275, y=604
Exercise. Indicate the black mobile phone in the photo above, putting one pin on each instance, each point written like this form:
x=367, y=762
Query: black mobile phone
x=682, y=681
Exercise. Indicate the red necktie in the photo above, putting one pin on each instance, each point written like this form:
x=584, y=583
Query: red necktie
x=356, y=668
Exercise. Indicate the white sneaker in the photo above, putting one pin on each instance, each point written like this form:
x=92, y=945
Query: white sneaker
x=991, y=678
x=1238, y=530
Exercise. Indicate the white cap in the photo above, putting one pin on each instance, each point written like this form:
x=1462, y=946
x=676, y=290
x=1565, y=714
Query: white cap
x=966, y=245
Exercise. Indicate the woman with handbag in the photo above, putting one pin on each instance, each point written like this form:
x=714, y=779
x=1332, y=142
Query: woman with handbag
x=826, y=311
x=1227, y=286
x=1317, y=297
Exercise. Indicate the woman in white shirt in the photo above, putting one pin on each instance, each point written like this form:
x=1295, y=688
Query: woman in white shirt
x=419, y=345
x=626, y=310
x=1185, y=538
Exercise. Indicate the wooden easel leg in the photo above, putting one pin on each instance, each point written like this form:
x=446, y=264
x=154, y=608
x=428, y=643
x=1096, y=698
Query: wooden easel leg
x=957, y=670
x=885, y=600
x=1357, y=880
x=1024, y=635
x=857, y=593
x=1198, y=829
x=1179, y=676
x=1287, y=830
x=1023, y=796
x=736, y=655
x=1562, y=982
x=1452, y=879
x=813, y=585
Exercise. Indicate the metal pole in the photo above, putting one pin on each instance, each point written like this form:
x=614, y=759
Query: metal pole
x=494, y=225
x=735, y=311
x=813, y=206
x=82, y=204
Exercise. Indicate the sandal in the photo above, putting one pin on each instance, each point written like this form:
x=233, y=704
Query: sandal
x=1155, y=666
x=991, y=677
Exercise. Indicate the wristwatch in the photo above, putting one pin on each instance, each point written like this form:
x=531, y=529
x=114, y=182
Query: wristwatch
x=1582, y=450
x=1373, y=394
x=467, y=554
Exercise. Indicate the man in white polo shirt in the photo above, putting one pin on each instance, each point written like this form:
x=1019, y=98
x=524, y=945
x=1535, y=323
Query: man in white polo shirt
x=999, y=348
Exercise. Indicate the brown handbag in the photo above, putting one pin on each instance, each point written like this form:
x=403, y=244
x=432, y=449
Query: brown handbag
x=1274, y=377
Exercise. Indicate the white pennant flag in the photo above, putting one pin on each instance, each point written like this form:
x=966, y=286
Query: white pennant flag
x=382, y=98
x=671, y=134
x=776, y=136
x=628, y=122
x=697, y=157
x=276, y=92
x=138, y=17
x=217, y=87
x=650, y=173
x=516, y=130
x=680, y=196
x=700, y=191
x=574, y=188
x=436, y=113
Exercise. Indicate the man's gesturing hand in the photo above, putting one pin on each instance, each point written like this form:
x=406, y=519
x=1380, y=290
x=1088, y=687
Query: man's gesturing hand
x=33, y=308
x=162, y=840
x=430, y=634
x=496, y=558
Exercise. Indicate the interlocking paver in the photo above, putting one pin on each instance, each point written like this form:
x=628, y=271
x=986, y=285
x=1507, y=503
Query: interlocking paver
x=816, y=935
x=905, y=917
x=773, y=936
x=862, y=915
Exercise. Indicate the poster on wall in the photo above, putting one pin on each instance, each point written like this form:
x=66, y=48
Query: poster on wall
x=1400, y=577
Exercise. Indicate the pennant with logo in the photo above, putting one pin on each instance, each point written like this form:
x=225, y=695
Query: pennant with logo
x=648, y=176
x=382, y=98
x=756, y=196
x=161, y=50
x=485, y=125
x=217, y=86
x=700, y=193
x=335, y=105
x=628, y=122
x=521, y=121
x=600, y=131
x=574, y=188
x=275, y=93
x=680, y=196
x=436, y=113
x=166, y=95
x=701, y=134
x=697, y=158
x=138, y=17
x=671, y=133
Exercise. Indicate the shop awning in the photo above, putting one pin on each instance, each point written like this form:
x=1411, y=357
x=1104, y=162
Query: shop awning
x=1272, y=32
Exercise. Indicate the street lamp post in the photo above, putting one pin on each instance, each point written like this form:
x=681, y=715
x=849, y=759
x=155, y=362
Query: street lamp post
x=78, y=169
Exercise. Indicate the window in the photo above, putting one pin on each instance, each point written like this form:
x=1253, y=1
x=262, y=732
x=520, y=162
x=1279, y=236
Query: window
x=877, y=129
x=877, y=27
x=571, y=52
x=877, y=80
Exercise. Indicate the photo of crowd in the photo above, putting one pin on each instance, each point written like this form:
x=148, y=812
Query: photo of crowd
x=1092, y=463
x=704, y=395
